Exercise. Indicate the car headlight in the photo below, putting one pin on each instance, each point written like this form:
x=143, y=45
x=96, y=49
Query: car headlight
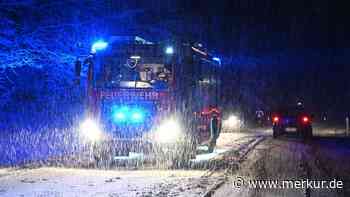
x=232, y=122
x=169, y=131
x=90, y=130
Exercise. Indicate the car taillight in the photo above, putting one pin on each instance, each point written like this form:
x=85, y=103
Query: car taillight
x=305, y=119
x=275, y=119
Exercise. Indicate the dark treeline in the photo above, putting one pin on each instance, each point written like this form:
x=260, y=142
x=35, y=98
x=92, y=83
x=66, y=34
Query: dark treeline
x=277, y=51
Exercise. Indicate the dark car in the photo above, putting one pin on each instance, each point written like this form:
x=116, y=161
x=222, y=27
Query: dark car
x=292, y=118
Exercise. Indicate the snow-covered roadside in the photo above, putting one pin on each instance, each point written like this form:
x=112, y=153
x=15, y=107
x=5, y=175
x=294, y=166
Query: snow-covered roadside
x=235, y=140
x=4, y=172
x=59, y=182
x=291, y=159
x=87, y=182
x=234, y=145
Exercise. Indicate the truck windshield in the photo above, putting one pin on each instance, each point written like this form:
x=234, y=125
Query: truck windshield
x=132, y=72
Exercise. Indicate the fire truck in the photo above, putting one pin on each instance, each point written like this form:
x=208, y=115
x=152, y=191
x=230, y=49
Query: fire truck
x=149, y=98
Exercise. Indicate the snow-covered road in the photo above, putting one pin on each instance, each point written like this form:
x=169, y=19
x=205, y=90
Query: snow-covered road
x=65, y=182
x=57, y=182
x=60, y=182
x=290, y=158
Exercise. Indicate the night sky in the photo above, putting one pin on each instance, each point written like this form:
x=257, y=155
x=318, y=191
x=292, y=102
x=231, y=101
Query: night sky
x=277, y=24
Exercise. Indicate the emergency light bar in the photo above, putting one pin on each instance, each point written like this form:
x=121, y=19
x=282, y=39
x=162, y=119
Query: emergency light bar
x=98, y=46
x=128, y=114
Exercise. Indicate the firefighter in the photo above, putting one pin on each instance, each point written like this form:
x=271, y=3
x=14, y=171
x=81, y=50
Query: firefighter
x=214, y=132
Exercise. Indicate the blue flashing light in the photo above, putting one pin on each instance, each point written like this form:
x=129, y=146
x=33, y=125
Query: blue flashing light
x=98, y=46
x=137, y=116
x=216, y=59
x=125, y=114
x=120, y=115
x=169, y=50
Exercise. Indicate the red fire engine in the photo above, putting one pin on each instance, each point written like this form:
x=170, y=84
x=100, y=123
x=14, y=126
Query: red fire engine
x=143, y=95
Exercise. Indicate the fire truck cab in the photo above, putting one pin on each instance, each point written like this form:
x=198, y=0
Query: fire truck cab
x=143, y=96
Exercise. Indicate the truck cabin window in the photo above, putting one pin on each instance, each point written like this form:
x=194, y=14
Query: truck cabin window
x=131, y=72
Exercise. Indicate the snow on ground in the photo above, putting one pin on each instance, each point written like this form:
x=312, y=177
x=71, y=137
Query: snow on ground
x=59, y=182
x=227, y=142
x=208, y=156
x=235, y=140
x=290, y=158
x=4, y=172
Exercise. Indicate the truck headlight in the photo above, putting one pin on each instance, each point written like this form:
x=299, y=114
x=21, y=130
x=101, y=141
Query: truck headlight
x=232, y=122
x=90, y=130
x=169, y=131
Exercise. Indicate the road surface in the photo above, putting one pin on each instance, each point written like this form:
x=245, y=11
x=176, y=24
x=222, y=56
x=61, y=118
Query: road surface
x=249, y=156
x=63, y=182
x=32, y=181
x=290, y=158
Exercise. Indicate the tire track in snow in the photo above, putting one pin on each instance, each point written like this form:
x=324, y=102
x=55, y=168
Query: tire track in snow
x=245, y=149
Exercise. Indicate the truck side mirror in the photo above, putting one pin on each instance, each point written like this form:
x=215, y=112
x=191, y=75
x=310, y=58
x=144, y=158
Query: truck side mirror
x=77, y=71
